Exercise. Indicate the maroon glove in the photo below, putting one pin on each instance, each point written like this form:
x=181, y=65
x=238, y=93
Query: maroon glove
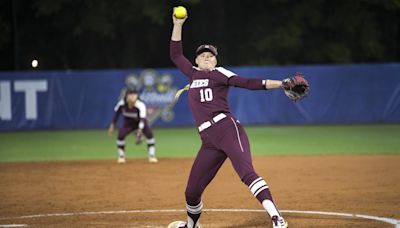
x=296, y=88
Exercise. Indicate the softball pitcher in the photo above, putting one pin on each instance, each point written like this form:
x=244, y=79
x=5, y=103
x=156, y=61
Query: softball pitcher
x=134, y=112
x=221, y=134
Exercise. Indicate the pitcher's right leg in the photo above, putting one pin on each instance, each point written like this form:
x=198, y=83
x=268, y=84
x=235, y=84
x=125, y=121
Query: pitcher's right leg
x=204, y=169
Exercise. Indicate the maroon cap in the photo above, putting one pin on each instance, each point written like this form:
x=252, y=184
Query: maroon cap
x=205, y=48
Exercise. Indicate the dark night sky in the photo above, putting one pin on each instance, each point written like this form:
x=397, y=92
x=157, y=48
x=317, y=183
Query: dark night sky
x=106, y=34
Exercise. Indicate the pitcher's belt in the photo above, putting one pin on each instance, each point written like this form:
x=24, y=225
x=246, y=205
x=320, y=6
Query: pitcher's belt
x=214, y=120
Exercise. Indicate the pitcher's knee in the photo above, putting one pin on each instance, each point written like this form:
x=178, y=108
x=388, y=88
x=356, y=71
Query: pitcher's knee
x=192, y=195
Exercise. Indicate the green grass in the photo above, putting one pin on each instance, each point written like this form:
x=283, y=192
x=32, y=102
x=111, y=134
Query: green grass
x=184, y=142
x=334, y=139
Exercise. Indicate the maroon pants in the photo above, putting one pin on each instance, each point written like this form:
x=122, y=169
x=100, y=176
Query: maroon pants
x=225, y=139
x=128, y=127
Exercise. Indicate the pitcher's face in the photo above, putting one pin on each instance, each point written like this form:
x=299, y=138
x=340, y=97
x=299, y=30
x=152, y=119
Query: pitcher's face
x=206, y=61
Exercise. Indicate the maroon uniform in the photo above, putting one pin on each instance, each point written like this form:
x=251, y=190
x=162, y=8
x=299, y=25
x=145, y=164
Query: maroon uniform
x=134, y=119
x=221, y=134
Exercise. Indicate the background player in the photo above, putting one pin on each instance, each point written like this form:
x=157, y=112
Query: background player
x=222, y=136
x=134, y=112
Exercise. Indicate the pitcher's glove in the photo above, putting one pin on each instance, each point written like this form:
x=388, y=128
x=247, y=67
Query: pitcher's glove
x=296, y=87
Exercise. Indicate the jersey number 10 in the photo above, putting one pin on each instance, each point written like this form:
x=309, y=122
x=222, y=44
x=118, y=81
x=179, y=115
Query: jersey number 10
x=206, y=95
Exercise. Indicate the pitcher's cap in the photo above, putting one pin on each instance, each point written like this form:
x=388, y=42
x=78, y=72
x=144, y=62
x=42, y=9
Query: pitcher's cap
x=206, y=47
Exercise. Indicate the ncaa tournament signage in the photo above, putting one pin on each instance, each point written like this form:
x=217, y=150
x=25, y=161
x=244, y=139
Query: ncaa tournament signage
x=361, y=93
x=156, y=90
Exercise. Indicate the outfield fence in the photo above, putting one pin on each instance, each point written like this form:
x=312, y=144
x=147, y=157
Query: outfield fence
x=339, y=94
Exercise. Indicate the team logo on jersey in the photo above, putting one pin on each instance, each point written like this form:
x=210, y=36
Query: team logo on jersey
x=156, y=90
x=198, y=83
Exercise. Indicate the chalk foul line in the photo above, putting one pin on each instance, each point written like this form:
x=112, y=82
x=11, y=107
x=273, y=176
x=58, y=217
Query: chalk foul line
x=14, y=225
x=395, y=222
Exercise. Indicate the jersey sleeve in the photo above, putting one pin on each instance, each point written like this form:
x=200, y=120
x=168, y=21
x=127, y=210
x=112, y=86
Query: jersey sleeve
x=117, y=111
x=232, y=79
x=177, y=57
x=142, y=109
x=222, y=75
x=247, y=83
x=142, y=112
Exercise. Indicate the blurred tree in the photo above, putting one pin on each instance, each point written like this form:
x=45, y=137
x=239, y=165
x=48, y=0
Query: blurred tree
x=5, y=30
x=6, y=48
x=101, y=34
x=316, y=31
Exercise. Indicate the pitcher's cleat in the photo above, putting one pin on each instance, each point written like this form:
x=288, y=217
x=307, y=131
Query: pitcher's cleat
x=279, y=222
x=153, y=160
x=181, y=224
x=177, y=224
x=121, y=160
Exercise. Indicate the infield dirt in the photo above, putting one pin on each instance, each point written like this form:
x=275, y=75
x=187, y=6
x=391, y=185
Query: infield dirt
x=368, y=185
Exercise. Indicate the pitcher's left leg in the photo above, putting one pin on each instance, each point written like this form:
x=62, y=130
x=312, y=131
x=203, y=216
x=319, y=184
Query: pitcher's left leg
x=236, y=145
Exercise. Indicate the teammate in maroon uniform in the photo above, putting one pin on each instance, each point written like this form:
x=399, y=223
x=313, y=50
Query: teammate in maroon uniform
x=134, y=112
x=222, y=135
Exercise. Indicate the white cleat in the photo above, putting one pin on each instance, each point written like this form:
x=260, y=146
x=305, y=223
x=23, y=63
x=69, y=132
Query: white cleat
x=177, y=224
x=121, y=160
x=279, y=222
x=181, y=224
x=153, y=160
